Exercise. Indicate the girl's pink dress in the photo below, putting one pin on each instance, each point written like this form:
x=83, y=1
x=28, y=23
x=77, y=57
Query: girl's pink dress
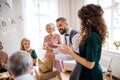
x=56, y=39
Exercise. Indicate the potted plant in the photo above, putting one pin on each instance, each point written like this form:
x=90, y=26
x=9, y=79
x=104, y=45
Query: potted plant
x=117, y=44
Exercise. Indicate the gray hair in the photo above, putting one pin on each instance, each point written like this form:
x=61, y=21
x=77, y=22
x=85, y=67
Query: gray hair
x=20, y=63
x=50, y=24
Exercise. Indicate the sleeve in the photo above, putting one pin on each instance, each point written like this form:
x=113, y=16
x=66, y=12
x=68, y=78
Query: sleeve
x=34, y=55
x=63, y=57
x=60, y=56
x=76, y=42
x=91, y=48
x=59, y=39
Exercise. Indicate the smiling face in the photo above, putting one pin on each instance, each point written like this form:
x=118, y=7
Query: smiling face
x=50, y=29
x=26, y=45
x=62, y=26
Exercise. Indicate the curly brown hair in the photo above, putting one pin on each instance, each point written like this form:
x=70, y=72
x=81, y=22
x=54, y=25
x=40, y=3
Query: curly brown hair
x=92, y=19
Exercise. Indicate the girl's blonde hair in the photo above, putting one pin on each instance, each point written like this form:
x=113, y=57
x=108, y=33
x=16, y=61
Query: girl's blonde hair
x=22, y=43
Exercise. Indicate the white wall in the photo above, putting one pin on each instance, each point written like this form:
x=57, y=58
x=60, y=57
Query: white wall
x=115, y=65
x=69, y=10
x=75, y=6
x=11, y=34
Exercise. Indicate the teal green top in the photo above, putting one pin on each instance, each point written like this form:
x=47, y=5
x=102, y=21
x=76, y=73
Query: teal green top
x=34, y=55
x=91, y=50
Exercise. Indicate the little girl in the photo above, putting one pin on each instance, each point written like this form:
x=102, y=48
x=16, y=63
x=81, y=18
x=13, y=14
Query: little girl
x=53, y=40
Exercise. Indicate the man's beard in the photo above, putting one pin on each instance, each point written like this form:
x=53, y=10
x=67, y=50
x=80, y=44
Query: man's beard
x=62, y=31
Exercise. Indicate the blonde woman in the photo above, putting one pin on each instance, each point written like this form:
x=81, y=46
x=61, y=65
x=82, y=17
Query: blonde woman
x=53, y=40
x=25, y=45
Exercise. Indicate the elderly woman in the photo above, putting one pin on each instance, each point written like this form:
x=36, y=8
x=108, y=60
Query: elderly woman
x=20, y=64
x=52, y=41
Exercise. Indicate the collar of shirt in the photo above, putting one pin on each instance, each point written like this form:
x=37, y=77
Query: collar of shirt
x=69, y=31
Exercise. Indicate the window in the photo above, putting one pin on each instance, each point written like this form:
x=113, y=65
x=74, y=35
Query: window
x=37, y=13
x=112, y=18
x=47, y=13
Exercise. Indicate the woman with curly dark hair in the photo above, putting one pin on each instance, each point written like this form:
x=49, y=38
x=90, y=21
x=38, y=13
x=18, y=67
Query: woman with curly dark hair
x=93, y=31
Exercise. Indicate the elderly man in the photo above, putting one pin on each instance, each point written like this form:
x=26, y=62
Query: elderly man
x=20, y=64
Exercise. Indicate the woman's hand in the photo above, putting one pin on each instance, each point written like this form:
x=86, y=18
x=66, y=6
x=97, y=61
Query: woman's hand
x=65, y=49
x=46, y=47
x=49, y=48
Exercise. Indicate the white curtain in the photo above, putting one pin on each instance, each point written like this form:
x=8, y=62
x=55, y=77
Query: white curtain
x=31, y=23
x=38, y=13
x=12, y=31
x=69, y=9
x=64, y=7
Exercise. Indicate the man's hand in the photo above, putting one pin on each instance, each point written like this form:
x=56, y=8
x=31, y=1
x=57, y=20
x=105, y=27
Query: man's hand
x=49, y=56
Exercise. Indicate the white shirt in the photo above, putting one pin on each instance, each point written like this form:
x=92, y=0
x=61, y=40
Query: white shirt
x=67, y=37
x=75, y=40
x=25, y=77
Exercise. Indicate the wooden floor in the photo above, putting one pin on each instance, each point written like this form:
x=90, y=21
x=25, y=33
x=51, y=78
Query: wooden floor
x=65, y=76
